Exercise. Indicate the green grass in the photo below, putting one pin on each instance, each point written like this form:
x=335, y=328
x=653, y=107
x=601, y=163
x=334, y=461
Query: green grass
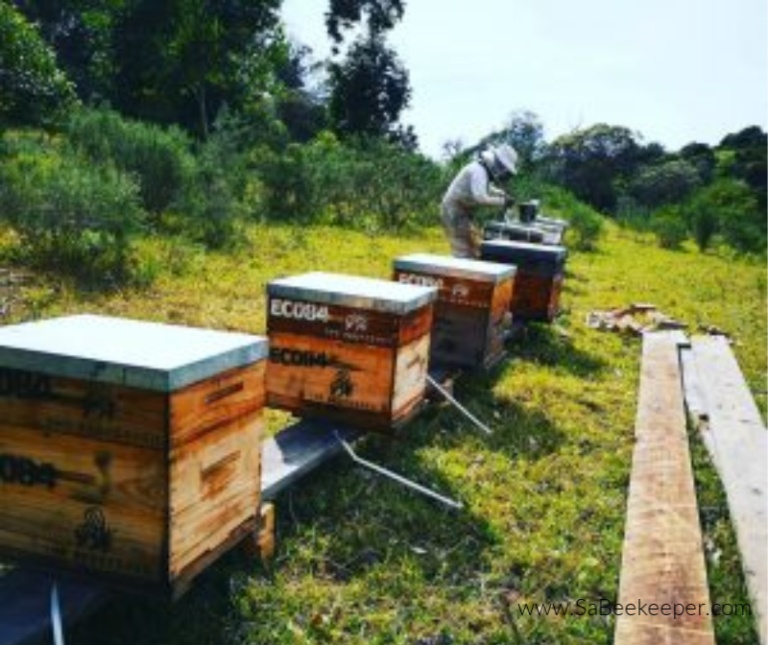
x=361, y=560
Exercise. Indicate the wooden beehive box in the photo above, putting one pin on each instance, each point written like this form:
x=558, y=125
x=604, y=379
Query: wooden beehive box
x=348, y=348
x=548, y=232
x=471, y=312
x=129, y=451
x=539, y=279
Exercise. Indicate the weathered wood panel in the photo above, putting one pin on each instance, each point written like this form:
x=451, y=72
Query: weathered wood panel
x=536, y=296
x=215, y=487
x=451, y=290
x=205, y=406
x=306, y=370
x=500, y=321
x=410, y=379
x=459, y=337
x=663, y=559
x=82, y=504
x=738, y=439
x=468, y=328
x=89, y=409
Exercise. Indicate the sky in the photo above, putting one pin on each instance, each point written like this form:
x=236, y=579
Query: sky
x=676, y=71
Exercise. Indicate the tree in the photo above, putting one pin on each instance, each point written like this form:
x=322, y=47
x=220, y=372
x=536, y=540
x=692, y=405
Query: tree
x=80, y=32
x=181, y=61
x=300, y=107
x=667, y=183
x=750, y=164
x=370, y=89
x=729, y=207
x=591, y=162
x=702, y=157
x=379, y=16
x=524, y=132
x=32, y=88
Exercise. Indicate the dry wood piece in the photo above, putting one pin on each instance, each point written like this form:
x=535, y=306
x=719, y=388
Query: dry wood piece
x=738, y=442
x=471, y=317
x=636, y=320
x=663, y=559
x=130, y=452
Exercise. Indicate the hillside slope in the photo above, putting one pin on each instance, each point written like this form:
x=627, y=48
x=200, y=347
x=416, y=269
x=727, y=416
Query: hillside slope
x=362, y=561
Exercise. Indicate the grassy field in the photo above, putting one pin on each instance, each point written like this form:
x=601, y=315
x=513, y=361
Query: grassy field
x=363, y=561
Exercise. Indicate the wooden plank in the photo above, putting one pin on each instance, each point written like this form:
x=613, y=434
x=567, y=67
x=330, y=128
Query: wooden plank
x=297, y=450
x=215, y=486
x=205, y=406
x=70, y=406
x=694, y=397
x=663, y=558
x=410, y=377
x=739, y=440
x=25, y=597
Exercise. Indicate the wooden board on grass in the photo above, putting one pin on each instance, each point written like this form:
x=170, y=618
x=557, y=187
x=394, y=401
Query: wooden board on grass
x=739, y=442
x=663, y=559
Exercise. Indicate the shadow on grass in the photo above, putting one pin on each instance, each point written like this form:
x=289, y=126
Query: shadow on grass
x=544, y=345
x=199, y=617
x=340, y=524
x=344, y=525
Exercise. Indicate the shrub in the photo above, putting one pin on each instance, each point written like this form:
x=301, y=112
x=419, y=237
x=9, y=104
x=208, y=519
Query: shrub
x=730, y=208
x=71, y=216
x=667, y=183
x=211, y=211
x=587, y=225
x=703, y=222
x=212, y=200
x=289, y=183
x=362, y=183
x=160, y=158
x=669, y=227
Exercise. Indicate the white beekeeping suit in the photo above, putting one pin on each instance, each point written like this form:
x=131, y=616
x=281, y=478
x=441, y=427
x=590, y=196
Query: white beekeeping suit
x=472, y=188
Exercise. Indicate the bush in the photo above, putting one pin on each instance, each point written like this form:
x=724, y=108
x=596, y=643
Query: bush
x=211, y=211
x=667, y=183
x=367, y=183
x=632, y=214
x=159, y=158
x=212, y=200
x=730, y=208
x=71, y=216
x=703, y=223
x=587, y=225
x=669, y=227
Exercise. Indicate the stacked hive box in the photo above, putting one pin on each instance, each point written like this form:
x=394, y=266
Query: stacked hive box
x=541, y=231
x=539, y=279
x=348, y=348
x=513, y=231
x=129, y=451
x=472, y=307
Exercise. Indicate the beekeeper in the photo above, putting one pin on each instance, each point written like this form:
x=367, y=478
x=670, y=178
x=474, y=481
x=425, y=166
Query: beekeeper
x=474, y=188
